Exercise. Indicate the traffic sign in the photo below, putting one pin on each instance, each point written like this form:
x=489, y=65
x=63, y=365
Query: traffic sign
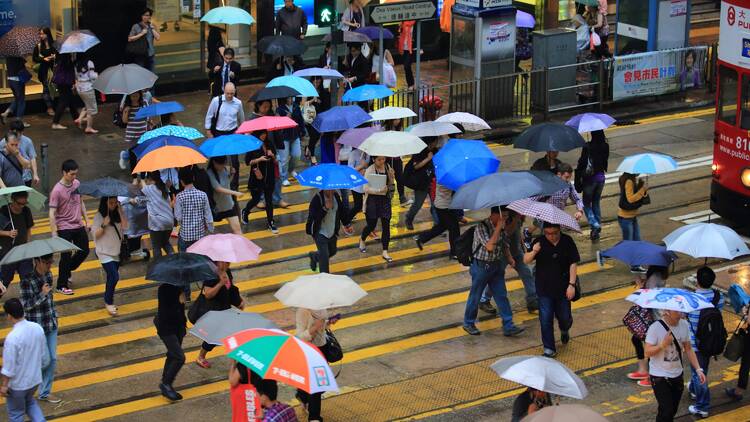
x=324, y=12
x=404, y=11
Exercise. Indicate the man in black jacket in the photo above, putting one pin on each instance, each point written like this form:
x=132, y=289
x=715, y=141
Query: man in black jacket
x=357, y=65
x=227, y=71
x=323, y=222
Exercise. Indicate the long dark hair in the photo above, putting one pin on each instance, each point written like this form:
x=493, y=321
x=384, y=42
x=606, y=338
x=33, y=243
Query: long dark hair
x=598, y=136
x=114, y=216
x=155, y=176
x=50, y=41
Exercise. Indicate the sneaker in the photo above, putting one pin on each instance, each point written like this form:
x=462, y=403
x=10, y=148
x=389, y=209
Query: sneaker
x=527, y=238
x=638, y=269
x=285, y=183
x=313, y=261
x=644, y=382
x=472, y=330
x=513, y=331
x=549, y=353
x=26, y=125
x=123, y=161
x=272, y=227
x=697, y=412
x=51, y=399
x=419, y=243
x=294, y=173
x=487, y=308
x=64, y=291
x=732, y=393
x=565, y=337
x=244, y=216
x=595, y=232
x=637, y=375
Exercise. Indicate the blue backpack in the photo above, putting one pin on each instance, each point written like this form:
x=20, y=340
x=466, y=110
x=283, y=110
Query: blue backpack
x=737, y=297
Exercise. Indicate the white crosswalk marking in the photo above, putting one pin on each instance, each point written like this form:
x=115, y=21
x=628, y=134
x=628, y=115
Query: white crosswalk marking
x=703, y=217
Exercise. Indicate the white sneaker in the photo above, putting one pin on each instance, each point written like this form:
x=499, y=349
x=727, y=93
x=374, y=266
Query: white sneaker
x=123, y=163
x=294, y=173
x=285, y=183
x=694, y=411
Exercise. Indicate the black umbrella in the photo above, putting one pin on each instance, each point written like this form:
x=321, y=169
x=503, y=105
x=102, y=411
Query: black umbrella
x=106, y=187
x=549, y=137
x=181, y=269
x=351, y=36
x=274, y=92
x=281, y=45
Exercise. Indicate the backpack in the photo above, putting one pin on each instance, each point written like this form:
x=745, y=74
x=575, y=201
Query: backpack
x=463, y=247
x=711, y=336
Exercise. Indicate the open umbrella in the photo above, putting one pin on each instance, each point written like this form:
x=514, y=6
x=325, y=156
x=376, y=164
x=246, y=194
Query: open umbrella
x=158, y=109
x=267, y=123
x=319, y=71
x=484, y=193
x=226, y=247
x=679, y=300
x=366, y=93
x=432, y=128
x=168, y=157
x=460, y=161
x=228, y=15
x=331, y=176
x=636, y=252
x=78, y=41
x=162, y=141
x=469, y=121
x=706, y=240
x=172, y=130
x=648, y=163
x=19, y=41
x=281, y=45
x=214, y=326
x=351, y=37
x=105, y=187
x=392, y=144
x=232, y=144
x=37, y=248
x=524, y=20
x=278, y=355
x=589, y=122
x=355, y=137
x=124, y=79
x=274, y=92
x=340, y=118
x=543, y=374
x=549, y=137
x=392, y=113
x=373, y=32
x=181, y=269
x=565, y=412
x=544, y=211
x=301, y=85
x=320, y=291
x=36, y=199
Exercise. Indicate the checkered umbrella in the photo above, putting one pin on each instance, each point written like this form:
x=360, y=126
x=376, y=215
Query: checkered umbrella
x=19, y=41
x=545, y=212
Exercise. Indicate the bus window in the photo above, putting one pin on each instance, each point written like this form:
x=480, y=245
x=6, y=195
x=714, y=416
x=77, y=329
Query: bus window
x=745, y=104
x=728, y=95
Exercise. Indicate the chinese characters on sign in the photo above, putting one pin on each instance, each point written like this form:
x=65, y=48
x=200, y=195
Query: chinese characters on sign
x=398, y=12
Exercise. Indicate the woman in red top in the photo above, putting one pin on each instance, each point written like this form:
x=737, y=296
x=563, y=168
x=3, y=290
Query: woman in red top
x=405, y=49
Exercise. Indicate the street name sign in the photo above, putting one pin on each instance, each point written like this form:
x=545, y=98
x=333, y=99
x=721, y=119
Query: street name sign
x=404, y=11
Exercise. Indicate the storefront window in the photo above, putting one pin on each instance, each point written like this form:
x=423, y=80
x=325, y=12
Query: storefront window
x=745, y=104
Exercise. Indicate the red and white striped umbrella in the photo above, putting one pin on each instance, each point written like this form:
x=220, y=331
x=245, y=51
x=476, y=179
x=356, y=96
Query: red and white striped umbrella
x=544, y=211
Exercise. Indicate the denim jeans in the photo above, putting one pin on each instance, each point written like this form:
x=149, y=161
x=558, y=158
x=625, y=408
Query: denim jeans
x=48, y=372
x=326, y=250
x=527, y=278
x=630, y=228
x=18, y=105
x=22, y=402
x=113, y=276
x=701, y=391
x=592, y=197
x=292, y=152
x=492, y=274
x=549, y=309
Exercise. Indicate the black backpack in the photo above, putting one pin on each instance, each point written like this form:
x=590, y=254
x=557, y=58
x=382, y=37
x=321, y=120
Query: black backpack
x=711, y=336
x=463, y=246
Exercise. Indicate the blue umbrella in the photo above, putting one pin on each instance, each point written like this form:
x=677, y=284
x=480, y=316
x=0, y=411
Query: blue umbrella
x=549, y=137
x=636, y=252
x=460, y=161
x=159, y=109
x=679, y=300
x=106, y=187
x=319, y=71
x=230, y=145
x=374, y=32
x=366, y=93
x=340, y=118
x=172, y=130
x=228, y=15
x=78, y=42
x=589, y=122
x=524, y=20
x=331, y=176
x=162, y=141
x=648, y=163
x=303, y=86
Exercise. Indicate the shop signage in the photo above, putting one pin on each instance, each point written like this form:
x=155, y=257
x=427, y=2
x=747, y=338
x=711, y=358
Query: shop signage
x=485, y=4
x=405, y=11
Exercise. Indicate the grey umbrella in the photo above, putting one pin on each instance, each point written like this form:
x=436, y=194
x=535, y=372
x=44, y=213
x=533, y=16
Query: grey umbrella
x=503, y=188
x=351, y=36
x=124, y=79
x=37, y=248
x=281, y=45
x=106, y=187
x=549, y=137
x=214, y=326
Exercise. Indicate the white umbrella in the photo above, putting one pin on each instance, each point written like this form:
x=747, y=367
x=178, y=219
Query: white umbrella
x=706, y=240
x=320, y=291
x=392, y=144
x=392, y=113
x=432, y=129
x=543, y=374
x=565, y=413
x=124, y=79
x=469, y=121
x=672, y=299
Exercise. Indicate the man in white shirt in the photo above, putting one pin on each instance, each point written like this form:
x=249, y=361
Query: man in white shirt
x=225, y=114
x=24, y=355
x=667, y=341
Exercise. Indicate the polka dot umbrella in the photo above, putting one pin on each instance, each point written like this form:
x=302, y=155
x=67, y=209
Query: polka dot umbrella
x=19, y=41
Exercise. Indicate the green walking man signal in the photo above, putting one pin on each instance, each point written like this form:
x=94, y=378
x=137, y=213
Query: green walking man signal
x=324, y=13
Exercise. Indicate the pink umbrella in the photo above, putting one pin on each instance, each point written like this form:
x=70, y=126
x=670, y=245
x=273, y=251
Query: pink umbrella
x=226, y=247
x=355, y=137
x=269, y=123
x=544, y=211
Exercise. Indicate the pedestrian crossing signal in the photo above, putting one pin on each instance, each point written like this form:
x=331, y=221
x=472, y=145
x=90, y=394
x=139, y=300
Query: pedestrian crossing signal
x=325, y=13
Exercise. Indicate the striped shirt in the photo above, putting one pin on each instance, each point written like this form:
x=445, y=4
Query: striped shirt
x=693, y=317
x=160, y=215
x=135, y=127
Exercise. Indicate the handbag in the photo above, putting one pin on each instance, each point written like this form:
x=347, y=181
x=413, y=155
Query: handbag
x=736, y=344
x=138, y=47
x=332, y=349
x=638, y=319
x=577, y=287
x=198, y=308
x=645, y=200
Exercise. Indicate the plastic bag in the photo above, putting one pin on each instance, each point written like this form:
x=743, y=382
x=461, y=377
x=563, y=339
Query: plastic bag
x=595, y=40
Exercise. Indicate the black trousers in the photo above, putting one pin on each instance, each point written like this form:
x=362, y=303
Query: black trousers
x=398, y=170
x=175, y=357
x=385, y=228
x=668, y=392
x=64, y=99
x=407, y=59
x=312, y=401
x=744, y=364
x=69, y=262
x=447, y=220
x=255, y=194
x=638, y=344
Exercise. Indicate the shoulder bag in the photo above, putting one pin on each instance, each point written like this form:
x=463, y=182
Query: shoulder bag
x=138, y=47
x=198, y=308
x=215, y=117
x=332, y=349
x=736, y=344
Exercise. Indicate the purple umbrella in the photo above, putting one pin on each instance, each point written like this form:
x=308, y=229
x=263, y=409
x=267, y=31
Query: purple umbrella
x=373, y=32
x=544, y=211
x=524, y=20
x=354, y=137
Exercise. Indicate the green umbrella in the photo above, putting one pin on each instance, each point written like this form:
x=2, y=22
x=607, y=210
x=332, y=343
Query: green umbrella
x=37, y=248
x=36, y=199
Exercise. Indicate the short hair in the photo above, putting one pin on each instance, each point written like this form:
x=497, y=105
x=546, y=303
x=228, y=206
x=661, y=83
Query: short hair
x=495, y=210
x=269, y=388
x=16, y=125
x=564, y=168
x=148, y=10
x=11, y=135
x=47, y=257
x=229, y=51
x=547, y=225
x=19, y=195
x=186, y=175
x=69, y=165
x=706, y=277
x=14, y=308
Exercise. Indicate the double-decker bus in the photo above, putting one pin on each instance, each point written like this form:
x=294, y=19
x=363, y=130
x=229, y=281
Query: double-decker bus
x=730, y=187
